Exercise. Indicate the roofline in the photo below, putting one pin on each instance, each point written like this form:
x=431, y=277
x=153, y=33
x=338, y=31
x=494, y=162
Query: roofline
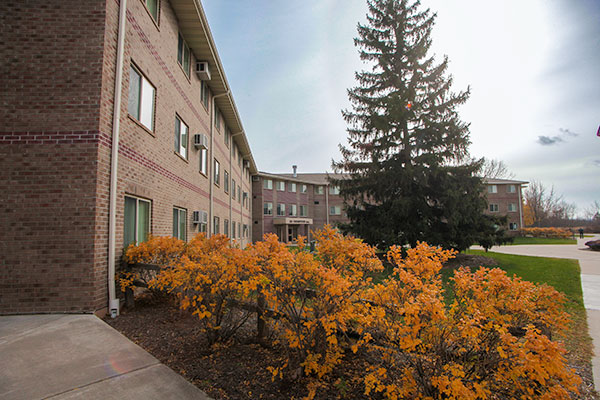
x=288, y=178
x=188, y=19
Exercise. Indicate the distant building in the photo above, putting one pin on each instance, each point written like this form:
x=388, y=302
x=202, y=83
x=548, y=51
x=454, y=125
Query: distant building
x=294, y=204
x=505, y=197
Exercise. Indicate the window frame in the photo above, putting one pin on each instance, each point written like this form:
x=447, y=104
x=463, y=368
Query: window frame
x=178, y=136
x=512, y=207
x=334, y=190
x=293, y=210
x=492, y=189
x=226, y=181
x=216, y=225
x=154, y=18
x=305, y=208
x=268, y=206
x=140, y=98
x=511, y=228
x=204, y=94
x=182, y=47
x=216, y=172
x=319, y=189
x=303, y=188
x=335, y=210
x=268, y=184
x=226, y=227
x=280, y=186
x=514, y=189
x=494, y=207
x=204, y=162
x=233, y=188
x=281, y=209
x=292, y=187
x=136, y=217
x=179, y=211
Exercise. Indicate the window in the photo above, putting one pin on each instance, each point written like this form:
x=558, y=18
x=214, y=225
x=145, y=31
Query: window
x=216, y=225
x=334, y=190
x=136, y=226
x=268, y=208
x=226, y=181
x=240, y=158
x=179, y=223
x=494, y=207
x=292, y=187
x=217, y=119
x=304, y=211
x=492, y=189
x=267, y=184
x=217, y=172
x=227, y=136
x=335, y=210
x=234, y=151
x=233, y=229
x=152, y=6
x=204, y=93
x=239, y=230
x=513, y=226
x=245, y=199
x=280, y=185
x=511, y=189
x=245, y=230
x=512, y=207
x=141, y=98
x=239, y=190
x=303, y=188
x=293, y=210
x=204, y=161
x=226, y=227
x=181, y=137
x=233, y=188
x=203, y=224
x=281, y=210
x=319, y=190
x=183, y=55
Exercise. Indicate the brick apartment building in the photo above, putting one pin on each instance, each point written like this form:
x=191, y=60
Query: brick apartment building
x=505, y=198
x=70, y=202
x=294, y=204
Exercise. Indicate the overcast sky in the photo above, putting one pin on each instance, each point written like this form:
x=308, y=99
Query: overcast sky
x=533, y=67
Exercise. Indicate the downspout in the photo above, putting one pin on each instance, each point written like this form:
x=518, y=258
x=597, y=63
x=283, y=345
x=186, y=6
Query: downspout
x=113, y=301
x=231, y=200
x=327, y=203
x=212, y=158
x=520, y=208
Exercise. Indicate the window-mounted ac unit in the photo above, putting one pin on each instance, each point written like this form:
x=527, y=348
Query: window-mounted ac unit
x=200, y=217
x=246, y=164
x=202, y=70
x=255, y=178
x=200, y=141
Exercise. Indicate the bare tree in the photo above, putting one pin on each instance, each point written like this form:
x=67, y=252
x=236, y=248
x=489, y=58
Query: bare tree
x=593, y=211
x=495, y=169
x=546, y=206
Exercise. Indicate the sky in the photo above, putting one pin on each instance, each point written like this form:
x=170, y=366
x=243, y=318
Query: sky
x=533, y=68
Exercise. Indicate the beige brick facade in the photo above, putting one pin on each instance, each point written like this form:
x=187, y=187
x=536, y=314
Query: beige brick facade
x=56, y=140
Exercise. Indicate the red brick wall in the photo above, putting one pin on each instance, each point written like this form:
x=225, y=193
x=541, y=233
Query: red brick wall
x=503, y=198
x=48, y=151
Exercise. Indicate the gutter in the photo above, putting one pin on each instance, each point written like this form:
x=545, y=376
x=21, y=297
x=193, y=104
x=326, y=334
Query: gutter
x=113, y=301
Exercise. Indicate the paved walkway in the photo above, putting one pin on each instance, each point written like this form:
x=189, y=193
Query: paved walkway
x=80, y=357
x=589, y=261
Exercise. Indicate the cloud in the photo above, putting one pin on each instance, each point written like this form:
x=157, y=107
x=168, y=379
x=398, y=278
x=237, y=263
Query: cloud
x=596, y=163
x=560, y=138
x=549, y=141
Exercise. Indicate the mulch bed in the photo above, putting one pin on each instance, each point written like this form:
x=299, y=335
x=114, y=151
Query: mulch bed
x=239, y=371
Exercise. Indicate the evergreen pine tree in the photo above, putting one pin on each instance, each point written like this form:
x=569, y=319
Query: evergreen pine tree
x=407, y=156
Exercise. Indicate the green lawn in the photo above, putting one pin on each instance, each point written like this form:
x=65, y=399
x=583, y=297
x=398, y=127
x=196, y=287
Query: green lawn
x=532, y=240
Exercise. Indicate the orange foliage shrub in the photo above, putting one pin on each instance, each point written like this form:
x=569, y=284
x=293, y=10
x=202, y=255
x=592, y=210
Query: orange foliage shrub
x=485, y=345
x=560, y=233
x=318, y=295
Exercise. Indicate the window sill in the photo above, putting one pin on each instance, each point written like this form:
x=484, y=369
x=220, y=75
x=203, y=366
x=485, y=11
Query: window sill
x=187, y=76
x=138, y=123
x=180, y=156
x=150, y=14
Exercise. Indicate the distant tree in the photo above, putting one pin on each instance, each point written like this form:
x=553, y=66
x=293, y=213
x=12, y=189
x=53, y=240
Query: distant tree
x=410, y=175
x=495, y=169
x=543, y=206
x=593, y=211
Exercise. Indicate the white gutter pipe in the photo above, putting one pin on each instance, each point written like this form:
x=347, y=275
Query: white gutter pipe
x=113, y=301
x=212, y=166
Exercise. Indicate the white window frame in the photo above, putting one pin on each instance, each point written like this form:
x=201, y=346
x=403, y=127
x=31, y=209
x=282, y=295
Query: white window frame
x=291, y=187
x=226, y=181
x=512, y=207
x=293, y=211
x=226, y=227
x=492, y=189
x=511, y=189
x=303, y=188
x=217, y=172
x=305, y=208
x=494, y=207
x=141, y=114
x=204, y=94
x=216, y=225
x=335, y=210
x=181, y=138
x=178, y=212
x=182, y=50
x=204, y=161
x=268, y=208
x=281, y=209
x=319, y=189
x=513, y=226
x=268, y=184
x=334, y=190
x=136, y=233
x=280, y=186
x=233, y=188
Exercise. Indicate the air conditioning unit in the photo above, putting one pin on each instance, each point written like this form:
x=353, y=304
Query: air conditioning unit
x=200, y=217
x=200, y=141
x=255, y=178
x=246, y=164
x=202, y=70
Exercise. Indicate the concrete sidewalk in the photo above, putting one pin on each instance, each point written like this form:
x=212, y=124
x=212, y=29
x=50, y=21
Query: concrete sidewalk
x=589, y=261
x=80, y=357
